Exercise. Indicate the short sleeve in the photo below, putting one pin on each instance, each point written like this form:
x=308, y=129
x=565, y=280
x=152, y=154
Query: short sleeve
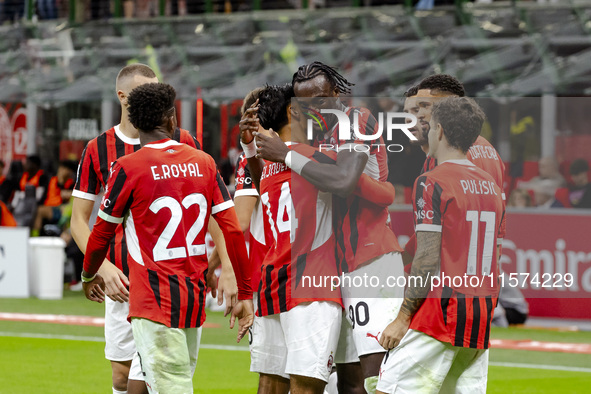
x=427, y=203
x=117, y=198
x=221, y=199
x=87, y=184
x=243, y=179
x=184, y=137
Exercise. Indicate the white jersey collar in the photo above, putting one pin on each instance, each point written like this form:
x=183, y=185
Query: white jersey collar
x=162, y=145
x=464, y=162
x=124, y=138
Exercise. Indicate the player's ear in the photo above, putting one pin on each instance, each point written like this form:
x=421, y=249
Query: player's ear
x=336, y=92
x=289, y=113
x=439, y=131
x=122, y=97
x=172, y=122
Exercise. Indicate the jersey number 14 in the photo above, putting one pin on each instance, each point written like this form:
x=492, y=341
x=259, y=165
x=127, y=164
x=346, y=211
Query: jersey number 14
x=286, y=220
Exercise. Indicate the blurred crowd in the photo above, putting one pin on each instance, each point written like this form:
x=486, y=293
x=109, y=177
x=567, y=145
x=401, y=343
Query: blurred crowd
x=553, y=189
x=11, y=10
x=41, y=200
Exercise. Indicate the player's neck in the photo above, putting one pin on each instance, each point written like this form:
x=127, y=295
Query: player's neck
x=153, y=136
x=126, y=127
x=285, y=133
x=298, y=136
x=425, y=149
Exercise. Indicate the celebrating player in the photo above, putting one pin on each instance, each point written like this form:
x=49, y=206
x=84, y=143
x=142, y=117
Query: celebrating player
x=365, y=244
x=166, y=192
x=419, y=101
x=294, y=339
x=93, y=173
x=300, y=227
x=248, y=208
x=442, y=331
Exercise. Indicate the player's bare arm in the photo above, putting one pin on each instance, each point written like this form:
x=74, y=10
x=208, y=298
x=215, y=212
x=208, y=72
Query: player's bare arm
x=226, y=286
x=249, y=124
x=233, y=235
x=244, y=312
x=102, y=234
x=114, y=281
x=424, y=266
x=340, y=178
x=244, y=205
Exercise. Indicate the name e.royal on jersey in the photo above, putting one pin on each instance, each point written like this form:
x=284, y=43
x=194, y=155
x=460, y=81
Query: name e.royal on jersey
x=472, y=186
x=165, y=171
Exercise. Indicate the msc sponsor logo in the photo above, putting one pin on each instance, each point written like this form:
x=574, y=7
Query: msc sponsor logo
x=422, y=214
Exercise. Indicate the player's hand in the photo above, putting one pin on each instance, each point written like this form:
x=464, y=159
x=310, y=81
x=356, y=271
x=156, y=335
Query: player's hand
x=228, y=289
x=244, y=311
x=94, y=290
x=115, y=282
x=394, y=332
x=211, y=280
x=249, y=123
x=271, y=147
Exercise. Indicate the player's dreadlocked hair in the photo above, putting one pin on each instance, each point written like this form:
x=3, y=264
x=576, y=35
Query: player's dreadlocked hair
x=442, y=83
x=273, y=103
x=149, y=104
x=312, y=70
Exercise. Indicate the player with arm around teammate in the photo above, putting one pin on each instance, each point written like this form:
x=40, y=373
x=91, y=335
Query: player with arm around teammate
x=308, y=236
x=365, y=243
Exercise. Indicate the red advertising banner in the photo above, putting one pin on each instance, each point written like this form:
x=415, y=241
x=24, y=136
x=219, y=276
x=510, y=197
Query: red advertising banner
x=548, y=253
x=13, y=133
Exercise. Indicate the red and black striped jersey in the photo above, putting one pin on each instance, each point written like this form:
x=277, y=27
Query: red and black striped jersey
x=362, y=228
x=257, y=245
x=298, y=225
x=94, y=171
x=464, y=203
x=165, y=194
x=429, y=164
x=484, y=156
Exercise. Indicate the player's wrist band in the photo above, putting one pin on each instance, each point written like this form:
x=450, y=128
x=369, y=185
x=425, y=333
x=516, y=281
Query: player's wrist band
x=250, y=149
x=87, y=279
x=296, y=161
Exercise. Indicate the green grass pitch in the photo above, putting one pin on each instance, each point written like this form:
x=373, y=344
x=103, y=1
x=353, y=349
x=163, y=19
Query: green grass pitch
x=46, y=364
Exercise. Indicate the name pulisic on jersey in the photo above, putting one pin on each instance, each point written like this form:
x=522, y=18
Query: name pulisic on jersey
x=471, y=186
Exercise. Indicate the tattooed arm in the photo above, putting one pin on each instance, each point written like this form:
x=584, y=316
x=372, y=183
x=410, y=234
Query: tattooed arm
x=424, y=266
